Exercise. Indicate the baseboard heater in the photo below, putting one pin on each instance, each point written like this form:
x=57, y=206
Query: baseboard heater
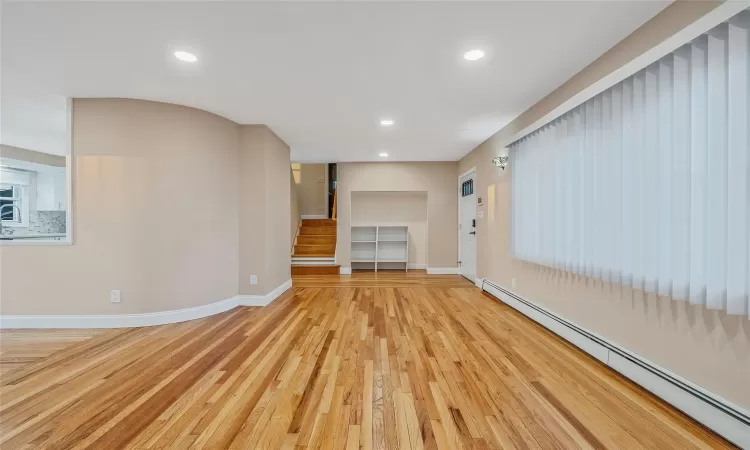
x=727, y=420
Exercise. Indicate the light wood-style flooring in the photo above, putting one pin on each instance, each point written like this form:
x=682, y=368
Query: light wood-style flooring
x=371, y=361
x=19, y=348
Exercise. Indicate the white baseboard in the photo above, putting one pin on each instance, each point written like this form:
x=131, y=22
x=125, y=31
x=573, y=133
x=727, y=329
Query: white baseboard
x=718, y=414
x=314, y=216
x=348, y=270
x=442, y=271
x=263, y=300
x=478, y=282
x=117, y=320
x=140, y=320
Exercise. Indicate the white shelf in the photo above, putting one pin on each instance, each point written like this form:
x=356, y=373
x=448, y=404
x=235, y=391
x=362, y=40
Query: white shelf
x=391, y=245
x=366, y=233
x=393, y=233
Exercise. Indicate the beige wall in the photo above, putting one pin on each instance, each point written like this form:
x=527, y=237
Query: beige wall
x=155, y=215
x=21, y=154
x=706, y=347
x=312, y=190
x=264, y=211
x=395, y=208
x=174, y=206
x=438, y=179
x=278, y=257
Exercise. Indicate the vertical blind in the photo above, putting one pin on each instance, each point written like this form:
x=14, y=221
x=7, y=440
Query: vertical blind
x=648, y=183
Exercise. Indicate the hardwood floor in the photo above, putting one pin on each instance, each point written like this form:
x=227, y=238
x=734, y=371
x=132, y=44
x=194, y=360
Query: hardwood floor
x=371, y=361
x=19, y=348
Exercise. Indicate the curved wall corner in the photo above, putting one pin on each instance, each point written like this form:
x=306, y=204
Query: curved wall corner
x=155, y=215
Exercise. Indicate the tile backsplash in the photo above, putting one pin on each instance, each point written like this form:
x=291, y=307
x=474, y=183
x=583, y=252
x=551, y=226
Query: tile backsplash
x=42, y=222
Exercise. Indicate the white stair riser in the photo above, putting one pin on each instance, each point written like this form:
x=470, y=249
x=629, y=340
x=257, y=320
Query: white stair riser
x=298, y=261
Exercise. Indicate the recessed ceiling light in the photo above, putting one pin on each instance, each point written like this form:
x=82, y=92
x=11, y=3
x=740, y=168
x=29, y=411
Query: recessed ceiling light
x=473, y=55
x=383, y=154
x=185, y=56
x=386, y=123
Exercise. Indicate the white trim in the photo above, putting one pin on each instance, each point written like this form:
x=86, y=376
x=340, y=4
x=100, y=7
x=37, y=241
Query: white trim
x=312, y=263
x=345, y=270
x=141, y=320
x=118, y=320
x=719, y=15
x=464, y=175
x=412, y=266
x=702, y=405
x=442, y=271
x=56, y=241
x=312, y=258
x=314, y=216
x=69, y=178
x=264, y=300
x=478, y=282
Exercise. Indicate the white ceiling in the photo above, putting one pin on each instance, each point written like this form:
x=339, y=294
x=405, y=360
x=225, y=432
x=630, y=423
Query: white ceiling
x=321, y=75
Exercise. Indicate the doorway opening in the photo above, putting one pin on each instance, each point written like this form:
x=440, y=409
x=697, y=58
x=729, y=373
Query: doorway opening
x=331, y=190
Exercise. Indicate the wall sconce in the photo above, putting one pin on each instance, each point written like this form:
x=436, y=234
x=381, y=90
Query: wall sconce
x=500, y=161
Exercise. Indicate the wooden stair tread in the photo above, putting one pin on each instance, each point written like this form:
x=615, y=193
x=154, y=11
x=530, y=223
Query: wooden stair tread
x=319, y=222
x=314, y=248
x=316, y=231
x=316, y=239
x=301, y=241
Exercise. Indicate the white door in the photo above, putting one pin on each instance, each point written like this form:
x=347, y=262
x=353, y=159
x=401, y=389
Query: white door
x=467, y=226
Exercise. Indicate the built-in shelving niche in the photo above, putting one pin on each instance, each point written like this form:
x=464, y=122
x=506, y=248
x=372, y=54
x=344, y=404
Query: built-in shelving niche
x=384, y=247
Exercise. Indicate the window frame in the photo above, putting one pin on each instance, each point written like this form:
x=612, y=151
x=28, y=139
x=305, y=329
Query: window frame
x=21, y=198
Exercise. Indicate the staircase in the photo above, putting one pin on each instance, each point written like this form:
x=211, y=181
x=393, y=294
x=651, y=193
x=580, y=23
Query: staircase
x=315, y=248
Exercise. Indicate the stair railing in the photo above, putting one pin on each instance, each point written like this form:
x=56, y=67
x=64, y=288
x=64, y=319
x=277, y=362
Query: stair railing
x=333, y=214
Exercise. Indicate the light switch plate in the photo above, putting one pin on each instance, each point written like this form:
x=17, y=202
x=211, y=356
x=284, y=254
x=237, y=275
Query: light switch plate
x=114, y=296
x=253, y=279
x=480, y=214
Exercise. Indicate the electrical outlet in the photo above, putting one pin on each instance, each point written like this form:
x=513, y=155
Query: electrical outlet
x=513, y=283
x=253, y=279
x=114, y=296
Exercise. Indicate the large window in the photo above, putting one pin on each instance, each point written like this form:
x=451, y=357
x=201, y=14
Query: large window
x=13, y=207
x=10, y=199
x=648, y=184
